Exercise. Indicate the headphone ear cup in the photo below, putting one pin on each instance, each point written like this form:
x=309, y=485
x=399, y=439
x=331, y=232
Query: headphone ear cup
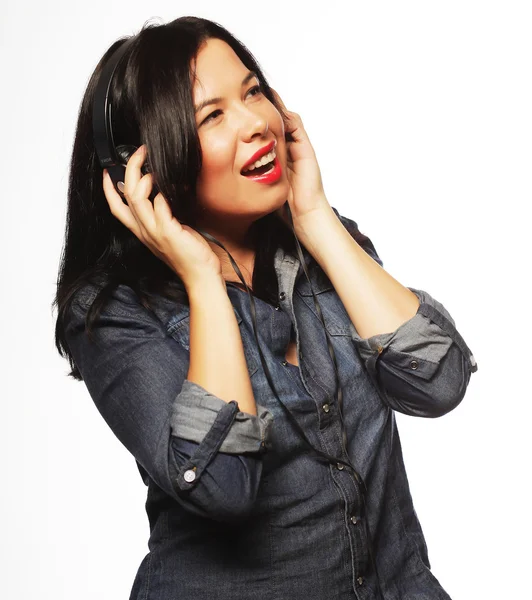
x=124, y=153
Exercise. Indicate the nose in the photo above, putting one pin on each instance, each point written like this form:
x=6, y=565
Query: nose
x=253, y=125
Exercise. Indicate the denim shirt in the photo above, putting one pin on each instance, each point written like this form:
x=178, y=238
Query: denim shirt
x=237, y=505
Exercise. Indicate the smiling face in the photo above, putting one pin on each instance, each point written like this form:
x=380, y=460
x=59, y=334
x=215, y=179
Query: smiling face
x=231, y=130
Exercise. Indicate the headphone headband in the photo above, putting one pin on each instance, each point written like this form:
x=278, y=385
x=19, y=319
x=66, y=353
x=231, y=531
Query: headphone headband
x=101, y=110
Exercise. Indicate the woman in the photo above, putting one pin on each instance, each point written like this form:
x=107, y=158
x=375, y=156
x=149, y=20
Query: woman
x=237, y=504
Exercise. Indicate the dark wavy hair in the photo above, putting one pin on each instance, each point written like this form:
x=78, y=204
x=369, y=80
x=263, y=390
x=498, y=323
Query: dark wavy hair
x=153, y=105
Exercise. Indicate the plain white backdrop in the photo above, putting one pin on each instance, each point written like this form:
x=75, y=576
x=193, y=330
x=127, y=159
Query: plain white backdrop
x=420, y=114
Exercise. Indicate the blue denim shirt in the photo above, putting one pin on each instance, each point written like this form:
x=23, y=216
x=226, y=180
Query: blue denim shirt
x=237, y=506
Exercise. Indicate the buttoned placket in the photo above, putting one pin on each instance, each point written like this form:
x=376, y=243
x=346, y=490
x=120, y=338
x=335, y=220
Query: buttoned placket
x=343, y=477
x=352, y=494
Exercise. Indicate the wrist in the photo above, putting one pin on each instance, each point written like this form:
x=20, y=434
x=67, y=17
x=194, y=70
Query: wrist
x=204, y=284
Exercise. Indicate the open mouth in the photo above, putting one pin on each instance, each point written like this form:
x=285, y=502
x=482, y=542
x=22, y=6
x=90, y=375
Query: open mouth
x=262, y=170
x=255, y=170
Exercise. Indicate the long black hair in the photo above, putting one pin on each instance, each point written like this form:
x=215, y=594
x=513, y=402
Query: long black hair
x=153, y=105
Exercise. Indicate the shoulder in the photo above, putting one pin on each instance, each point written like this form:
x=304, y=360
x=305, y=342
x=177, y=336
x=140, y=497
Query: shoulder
x=112, y=298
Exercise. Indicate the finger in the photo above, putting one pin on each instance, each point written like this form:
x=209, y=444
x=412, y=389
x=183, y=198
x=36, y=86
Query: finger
x=120, y=210
x=162, y=213
x=137, y=189
x=296, y=128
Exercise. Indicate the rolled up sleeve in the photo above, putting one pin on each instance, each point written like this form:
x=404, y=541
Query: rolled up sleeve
x=195, y=411
x=135, y=373
x=424, y=366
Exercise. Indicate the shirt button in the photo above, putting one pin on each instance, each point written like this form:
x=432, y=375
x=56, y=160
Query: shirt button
x=189, y=476
x=354, y=520
x=284, y=363
x=360, y=580
x=413, y=364
x=282, y=296
x=340, y=466
x=277, y=307
x=326, y=408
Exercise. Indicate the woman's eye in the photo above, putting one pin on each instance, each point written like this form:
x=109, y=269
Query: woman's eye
x=211, y=116
x=255, y=87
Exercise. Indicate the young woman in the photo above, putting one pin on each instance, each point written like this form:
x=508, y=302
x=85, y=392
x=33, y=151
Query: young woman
x=262, y=426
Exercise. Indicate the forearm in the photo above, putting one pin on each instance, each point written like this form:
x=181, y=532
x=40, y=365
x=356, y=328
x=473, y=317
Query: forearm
x=217, y=360
x=375, y=301
x=407, y=347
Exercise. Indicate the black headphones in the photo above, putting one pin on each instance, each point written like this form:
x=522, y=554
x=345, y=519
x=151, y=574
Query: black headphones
x=111, y=157
x=114, y=159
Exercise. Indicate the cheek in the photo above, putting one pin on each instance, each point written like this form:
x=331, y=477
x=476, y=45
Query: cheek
x=217, y=159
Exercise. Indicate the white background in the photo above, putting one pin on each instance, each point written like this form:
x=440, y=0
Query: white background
x=420, y=114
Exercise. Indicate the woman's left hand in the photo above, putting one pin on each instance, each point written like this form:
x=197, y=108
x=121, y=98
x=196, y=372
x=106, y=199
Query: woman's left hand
x=306, y=195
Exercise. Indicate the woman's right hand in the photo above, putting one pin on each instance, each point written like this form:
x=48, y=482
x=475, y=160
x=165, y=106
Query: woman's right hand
x=182, y=248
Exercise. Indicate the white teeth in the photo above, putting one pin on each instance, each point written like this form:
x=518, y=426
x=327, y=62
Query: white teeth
x=265, y=159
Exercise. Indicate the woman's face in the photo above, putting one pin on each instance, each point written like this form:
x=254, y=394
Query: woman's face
x=231, y=131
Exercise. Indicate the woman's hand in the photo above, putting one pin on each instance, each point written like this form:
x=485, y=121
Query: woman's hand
x=182, y=248
x=306, y=193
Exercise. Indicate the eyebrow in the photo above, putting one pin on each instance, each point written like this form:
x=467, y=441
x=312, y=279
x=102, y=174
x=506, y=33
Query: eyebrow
x=205, y=103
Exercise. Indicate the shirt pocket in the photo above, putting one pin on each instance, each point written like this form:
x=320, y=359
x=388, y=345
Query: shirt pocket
x=336, y=318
